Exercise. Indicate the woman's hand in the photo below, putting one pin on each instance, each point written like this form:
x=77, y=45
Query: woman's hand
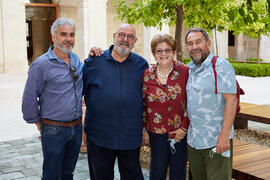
x=145, y=140
x=179, y=134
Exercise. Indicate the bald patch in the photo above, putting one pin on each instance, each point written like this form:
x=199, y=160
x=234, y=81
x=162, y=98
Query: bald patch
x=126, y=27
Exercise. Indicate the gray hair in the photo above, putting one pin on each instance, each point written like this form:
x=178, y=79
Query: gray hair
x=206, y=36
x=62, y=21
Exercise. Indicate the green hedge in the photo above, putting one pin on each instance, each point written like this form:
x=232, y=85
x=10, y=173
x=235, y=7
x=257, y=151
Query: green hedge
x=248, y=69
x=251, y=69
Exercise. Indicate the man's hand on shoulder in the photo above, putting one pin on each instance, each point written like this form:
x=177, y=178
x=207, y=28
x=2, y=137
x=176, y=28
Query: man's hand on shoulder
x=95, y=51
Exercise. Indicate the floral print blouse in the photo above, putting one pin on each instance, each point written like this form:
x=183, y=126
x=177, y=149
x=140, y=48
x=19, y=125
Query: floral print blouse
x=165, y=108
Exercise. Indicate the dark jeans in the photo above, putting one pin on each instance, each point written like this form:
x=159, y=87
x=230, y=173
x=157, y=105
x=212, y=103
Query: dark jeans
x=162, y=158
x=61, y=147
x=102, y=162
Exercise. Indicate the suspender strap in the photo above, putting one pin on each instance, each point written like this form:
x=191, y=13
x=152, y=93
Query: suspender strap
x=214, y=60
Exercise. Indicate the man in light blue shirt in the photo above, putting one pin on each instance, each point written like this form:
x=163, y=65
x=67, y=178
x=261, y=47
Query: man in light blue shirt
x=211, y=115
x=52, y=100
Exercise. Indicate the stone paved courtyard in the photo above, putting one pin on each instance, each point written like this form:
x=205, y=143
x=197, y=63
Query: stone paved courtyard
x=22, y=159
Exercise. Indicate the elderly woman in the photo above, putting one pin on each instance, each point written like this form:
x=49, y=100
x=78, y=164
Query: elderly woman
x=165, y=117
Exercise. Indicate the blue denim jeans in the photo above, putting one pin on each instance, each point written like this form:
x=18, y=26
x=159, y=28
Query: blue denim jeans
x=163, y=157
x=61, y=147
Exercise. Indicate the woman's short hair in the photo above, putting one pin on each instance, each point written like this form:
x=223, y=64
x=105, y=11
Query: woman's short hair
x=160, y=38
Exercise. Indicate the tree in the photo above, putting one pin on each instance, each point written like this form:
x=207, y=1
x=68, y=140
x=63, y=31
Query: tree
x=207, y=15
x=173, y=12
x=251, y=18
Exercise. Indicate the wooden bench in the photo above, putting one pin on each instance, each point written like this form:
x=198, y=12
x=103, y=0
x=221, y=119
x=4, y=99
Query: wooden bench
x=251, y=112
x=250, y=161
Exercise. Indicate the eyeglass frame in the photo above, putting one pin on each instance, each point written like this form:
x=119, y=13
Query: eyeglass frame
x=161, y=51
x=130, y=37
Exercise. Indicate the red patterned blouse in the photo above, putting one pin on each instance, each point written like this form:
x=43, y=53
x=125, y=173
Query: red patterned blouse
x=165, y=108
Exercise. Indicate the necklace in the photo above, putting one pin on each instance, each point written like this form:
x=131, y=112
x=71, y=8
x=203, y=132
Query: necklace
x=166, y=75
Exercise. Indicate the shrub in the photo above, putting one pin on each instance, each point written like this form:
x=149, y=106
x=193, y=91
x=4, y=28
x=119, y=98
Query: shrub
x=247, y=69
x=251, y=69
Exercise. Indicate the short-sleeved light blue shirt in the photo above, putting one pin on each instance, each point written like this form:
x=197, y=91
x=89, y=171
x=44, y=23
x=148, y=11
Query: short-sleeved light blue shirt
x=205, y=108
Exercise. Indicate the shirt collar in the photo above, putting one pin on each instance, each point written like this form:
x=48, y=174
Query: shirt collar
x=109, y=57
x=206, y=62
x=52, y=55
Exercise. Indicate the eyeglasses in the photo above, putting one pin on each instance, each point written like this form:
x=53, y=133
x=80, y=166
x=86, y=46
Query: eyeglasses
x=75, y=76
x=160, y=51
x=122, y=36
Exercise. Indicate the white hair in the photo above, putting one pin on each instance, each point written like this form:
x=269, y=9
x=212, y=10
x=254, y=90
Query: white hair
x=62, y=21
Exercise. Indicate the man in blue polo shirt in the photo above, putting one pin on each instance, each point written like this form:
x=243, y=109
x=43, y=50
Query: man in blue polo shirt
x=113, y=97
x=211, y=115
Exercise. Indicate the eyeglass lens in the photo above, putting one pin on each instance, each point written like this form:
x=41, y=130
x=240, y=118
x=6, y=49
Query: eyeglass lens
x=167, y=51
x=123, y=35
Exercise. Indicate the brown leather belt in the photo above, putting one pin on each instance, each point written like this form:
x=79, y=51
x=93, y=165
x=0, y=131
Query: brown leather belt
x=72, y=123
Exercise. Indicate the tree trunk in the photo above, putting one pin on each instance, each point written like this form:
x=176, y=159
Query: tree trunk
x=216, y=41
x=258, y=47
x=178, y=33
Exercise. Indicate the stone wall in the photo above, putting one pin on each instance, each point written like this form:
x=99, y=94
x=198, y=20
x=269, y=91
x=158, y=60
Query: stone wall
x=13, y=27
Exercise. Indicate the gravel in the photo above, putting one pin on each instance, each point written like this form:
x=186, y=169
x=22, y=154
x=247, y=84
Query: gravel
x=254, y=136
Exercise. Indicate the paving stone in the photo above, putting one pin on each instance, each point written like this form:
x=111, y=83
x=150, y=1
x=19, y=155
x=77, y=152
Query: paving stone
x=7, y=151
x=29, y=150
x=37, y=165
x=81, y=168
x=39, y=158
x=34, y=145
x=4, y=145
x=146, y=176
x=24, y=161
x=18, y=142
x=30, y=178
x=10, y=176
x=9, y=155
x=21, y=157
x=4, y=165
x=81, y=176
x=5, y=160
x=12, y=169
x=30, y=172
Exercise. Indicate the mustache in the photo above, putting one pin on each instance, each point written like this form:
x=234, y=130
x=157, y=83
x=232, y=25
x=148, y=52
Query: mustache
x=68, y=42
x=196, y=50
x=124, y=43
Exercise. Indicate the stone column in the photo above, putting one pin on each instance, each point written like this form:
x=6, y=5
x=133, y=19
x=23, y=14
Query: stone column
x=92, y=26
x=82, y=29
x=97, y=23
x=240, y=44
x=221, y=47
x=149, y=33
x=265, y=48
x=13, y=36
x=2, y=56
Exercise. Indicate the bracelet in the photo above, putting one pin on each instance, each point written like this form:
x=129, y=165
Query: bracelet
x=183, y=129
